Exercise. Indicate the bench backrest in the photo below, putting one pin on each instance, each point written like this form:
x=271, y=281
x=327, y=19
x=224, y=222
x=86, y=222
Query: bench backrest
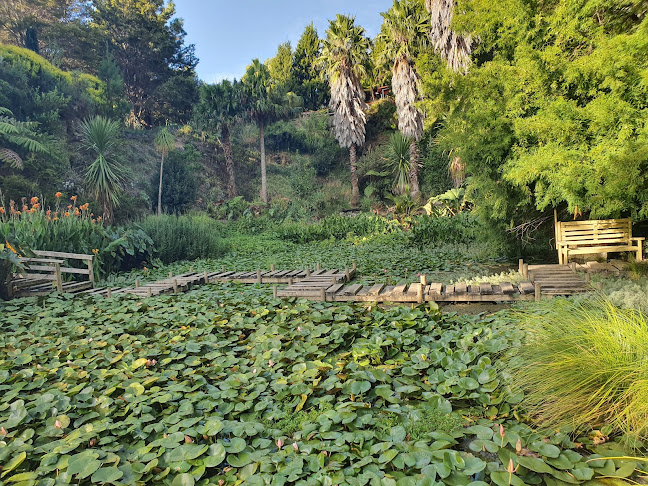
x=59, y=255
x=594, y=232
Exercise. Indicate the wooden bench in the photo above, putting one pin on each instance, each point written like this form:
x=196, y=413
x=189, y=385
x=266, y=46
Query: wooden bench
x=46, y=273
x=596, y=236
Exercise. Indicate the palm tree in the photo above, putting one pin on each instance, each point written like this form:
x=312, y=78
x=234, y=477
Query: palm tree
x=105, y=174
x=20, y=134
x=453, y=48
x=265, y=103
x=404, y=30
x=164, y=143
x=218, y=109
x=344, y=57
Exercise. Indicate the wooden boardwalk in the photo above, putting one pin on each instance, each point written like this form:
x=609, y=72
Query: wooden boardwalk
x=337, y=286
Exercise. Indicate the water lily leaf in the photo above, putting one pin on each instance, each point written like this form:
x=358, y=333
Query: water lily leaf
x=239, y=460
x=360, y=387
x=13, y=463
x=626, y=470
x=235, y=445
x=534, y=464
x=503, y=478
x=215, y=455
x=106, y=475
x=138, y=363
x=468, y=383
x=183, y=480
x=23, y=476
x=486, y=376
x=17, y=414
x=548, y=450
x=387, y=456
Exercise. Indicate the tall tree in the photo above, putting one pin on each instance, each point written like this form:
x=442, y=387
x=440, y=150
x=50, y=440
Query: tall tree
x=308, y=80
x=403, y=31
x=344, y=56
x=453, y=48
x=164, y=143
x=219, y=108
x=148, y=44
x=100, y=136
x=265, y=103
x=281, y=67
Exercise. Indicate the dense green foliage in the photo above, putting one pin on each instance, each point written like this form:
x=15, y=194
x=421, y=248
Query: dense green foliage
x=73, y=229
x=225, y=385
x=553, y=109
x=186, y=237
x=337, y=228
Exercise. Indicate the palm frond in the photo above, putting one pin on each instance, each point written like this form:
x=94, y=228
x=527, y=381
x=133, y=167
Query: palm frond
x=453, y=48
x=10, y=157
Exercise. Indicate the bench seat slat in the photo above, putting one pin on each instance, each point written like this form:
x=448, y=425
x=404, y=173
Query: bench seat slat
x=61, y=254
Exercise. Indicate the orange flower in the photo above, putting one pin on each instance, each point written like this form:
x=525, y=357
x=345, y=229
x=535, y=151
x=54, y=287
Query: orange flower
x=69, y=206
x=73, y=198
x=48, y=212
x=34, y=200
x=95, y=251
x=58, y=195
x=76, y=212
x=99, y=218
x=25, y=208
x=9, y=247
x=66, y=214
x=2, y=211
x=84, y=207
x=35, y=206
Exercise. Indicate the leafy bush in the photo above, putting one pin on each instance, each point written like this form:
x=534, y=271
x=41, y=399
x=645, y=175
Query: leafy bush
x=337, y=227
x=584, y=365
x=73, y=229
x=427, y=230
x=186, y=237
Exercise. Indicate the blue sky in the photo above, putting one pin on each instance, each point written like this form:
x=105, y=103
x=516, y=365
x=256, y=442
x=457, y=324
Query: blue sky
x=228, y=34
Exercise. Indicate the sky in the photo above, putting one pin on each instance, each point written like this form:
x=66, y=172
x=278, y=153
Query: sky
x=228, y=34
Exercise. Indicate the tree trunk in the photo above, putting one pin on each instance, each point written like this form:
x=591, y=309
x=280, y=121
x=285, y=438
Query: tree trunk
x=413, y=172
x=159, y=208
x=264, y=183
x=229, y=163
x=355, y=190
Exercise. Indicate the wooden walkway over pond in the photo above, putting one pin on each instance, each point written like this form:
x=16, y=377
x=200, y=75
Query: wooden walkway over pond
x=338, y=286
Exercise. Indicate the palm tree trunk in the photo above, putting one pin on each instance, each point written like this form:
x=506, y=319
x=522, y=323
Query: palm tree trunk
x=414, y=163
x=355, y=190
x=229, y=163
x=264, y=183
x=159, y=207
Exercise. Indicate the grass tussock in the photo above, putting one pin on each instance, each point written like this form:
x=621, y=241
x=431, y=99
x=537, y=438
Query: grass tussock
x=585, y=365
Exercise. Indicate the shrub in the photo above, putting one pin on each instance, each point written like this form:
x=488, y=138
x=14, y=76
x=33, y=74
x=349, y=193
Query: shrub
x=73, y=229
x=426, y=230
x=337, y=227
x=186, y=237
x=584, y=365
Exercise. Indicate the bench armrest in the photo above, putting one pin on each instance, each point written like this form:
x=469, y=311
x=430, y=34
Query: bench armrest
x=638, y=238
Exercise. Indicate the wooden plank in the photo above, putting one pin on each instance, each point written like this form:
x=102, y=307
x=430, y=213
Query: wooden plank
x=449, y=290
x=42, y=260
x=399, y=289
x=485, y=288
x=334, y=288
x=60, y=254
x=435, y=288
x=507, y=287
x=526, y=288
x=352, y=289
x=473, y=289
x=376, y=288
x=460, y=288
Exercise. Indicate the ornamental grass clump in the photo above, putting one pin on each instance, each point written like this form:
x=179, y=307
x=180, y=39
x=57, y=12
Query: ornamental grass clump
x=585, y=365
